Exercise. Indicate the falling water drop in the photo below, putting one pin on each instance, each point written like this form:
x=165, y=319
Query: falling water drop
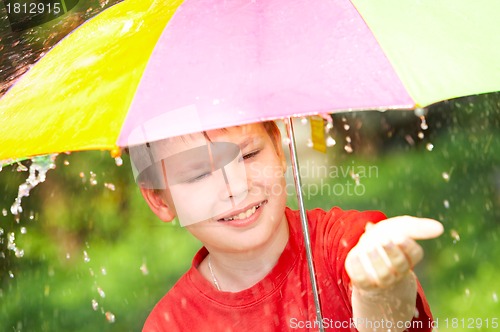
x=95, y=305
x=110, y=186
x=103, y=271
x=4, y=212
x=348, y=148
x=118, y=161
x=101, y=292
x=330, y=141
x=11, y=275
x=346, y=127
x=303, y=120
x=495, y=297
x=455, y=236
x=86, y=257
x=429, y=146
x=329, y=126
x=110, y=317
x=37, y=173
x=23, y=230
x=66, y=163
x=467, y=292
x=421, y=135
x=93, y=180
x=423, y=124
x=446, y=176
x=286, y=141
x=446, y=204
x=309, y=143
x=144, y=269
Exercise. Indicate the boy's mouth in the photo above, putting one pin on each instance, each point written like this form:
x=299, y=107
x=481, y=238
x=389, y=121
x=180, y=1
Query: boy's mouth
x=245, y=213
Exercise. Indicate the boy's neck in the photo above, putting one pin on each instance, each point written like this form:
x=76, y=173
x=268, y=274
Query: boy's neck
x=235, y=272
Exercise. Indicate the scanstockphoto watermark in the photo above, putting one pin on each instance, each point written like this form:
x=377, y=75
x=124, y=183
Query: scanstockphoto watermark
x=328, y=323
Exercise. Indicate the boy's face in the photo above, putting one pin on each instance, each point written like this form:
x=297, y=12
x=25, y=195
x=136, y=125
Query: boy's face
x=227, y=187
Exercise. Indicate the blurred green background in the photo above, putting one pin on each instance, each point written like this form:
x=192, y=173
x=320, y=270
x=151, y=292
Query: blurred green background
x=94, y=251
x=86, y=254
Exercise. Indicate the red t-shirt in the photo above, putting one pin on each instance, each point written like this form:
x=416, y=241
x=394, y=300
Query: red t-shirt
x=283, y=300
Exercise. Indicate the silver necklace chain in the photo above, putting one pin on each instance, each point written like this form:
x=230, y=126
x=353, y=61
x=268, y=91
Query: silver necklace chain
x=216, y=283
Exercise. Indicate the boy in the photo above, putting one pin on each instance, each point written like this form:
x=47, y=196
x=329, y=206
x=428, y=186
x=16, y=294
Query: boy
x=227, y=187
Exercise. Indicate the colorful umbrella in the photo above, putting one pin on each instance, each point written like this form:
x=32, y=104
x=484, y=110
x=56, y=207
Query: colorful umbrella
x=124, y=79
x=241, y=61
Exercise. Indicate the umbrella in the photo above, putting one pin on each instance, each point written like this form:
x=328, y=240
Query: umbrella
x=125, y=76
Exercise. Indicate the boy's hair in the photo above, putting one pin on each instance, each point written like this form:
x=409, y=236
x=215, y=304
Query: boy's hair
x=146, y=171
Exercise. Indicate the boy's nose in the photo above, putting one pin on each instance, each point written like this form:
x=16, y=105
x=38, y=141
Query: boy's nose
x=235, y=187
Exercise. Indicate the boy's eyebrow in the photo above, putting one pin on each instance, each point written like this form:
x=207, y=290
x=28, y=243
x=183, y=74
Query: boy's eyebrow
x=247, y=141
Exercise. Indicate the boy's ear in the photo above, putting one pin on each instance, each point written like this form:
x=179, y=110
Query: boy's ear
x=158, y=204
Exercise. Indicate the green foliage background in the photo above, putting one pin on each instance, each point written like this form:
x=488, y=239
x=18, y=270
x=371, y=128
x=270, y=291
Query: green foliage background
x=133, y=258
x=84, y=242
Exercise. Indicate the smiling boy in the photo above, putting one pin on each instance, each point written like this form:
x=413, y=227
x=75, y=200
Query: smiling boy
x=227, y=188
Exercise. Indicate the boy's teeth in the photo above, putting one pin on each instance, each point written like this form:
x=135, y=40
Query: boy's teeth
x=243, y=215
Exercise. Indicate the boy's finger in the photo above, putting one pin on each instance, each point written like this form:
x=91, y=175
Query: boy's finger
x=406, y=226
x=412, y=250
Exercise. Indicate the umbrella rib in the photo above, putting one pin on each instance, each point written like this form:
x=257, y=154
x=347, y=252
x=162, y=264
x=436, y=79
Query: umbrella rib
x=303, y=219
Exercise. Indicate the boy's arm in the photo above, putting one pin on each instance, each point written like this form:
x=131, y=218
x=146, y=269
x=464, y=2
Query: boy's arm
x=380, y=267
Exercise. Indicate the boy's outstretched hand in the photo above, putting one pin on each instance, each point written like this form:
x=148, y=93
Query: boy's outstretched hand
x=380, y=267
x=387, y=251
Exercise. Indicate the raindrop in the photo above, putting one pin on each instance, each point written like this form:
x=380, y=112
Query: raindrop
x=286, y=141
x=66, y=163
x=32, y=216
x=420, y=135
x=495, y=297
x=23, y=230
x=346, y=127
x=68, y=256
x=419, y=111
x=423, y=124
x=109, y=186
x=1, y=231
x=348, y=139
x=303, y=121
x=348, y=148
x=429, y=146
x=309, y=143
x=103, y=271
x=86, y=257
x=4, y=212
x=455, y=236
x=446, y=204
x=95, y=305
x=467, y=292
x=329, y=126
x=11, y=275
x=144, y=269
x=110, y=317
x=330, y=141
x=101, y=292
x=118, y=161
x=446, y=176
x=21, y=168
x=93, y=180
x=410, y=140
x=19, y=253
x=37, y=173
x=355, y=177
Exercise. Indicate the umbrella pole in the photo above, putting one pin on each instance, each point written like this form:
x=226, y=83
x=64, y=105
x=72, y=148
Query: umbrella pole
x=303, y=218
